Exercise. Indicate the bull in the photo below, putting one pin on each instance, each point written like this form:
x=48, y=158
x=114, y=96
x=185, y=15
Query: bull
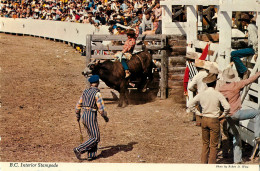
x=113, y=74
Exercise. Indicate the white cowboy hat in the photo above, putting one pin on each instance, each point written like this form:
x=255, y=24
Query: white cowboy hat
x=192, y=55
x=230, y=75
x=202, y=64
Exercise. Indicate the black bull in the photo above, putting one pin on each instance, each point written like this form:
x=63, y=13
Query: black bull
x=112, y=73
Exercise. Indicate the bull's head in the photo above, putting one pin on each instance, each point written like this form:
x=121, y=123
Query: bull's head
x=89, y=69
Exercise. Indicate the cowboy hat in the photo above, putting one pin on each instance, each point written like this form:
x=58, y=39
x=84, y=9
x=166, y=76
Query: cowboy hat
x=230, y=75
x=191, y=55
x=213, y=68
x=130, y=32
x=202, y=64
x=210, y=78
x=245, y=17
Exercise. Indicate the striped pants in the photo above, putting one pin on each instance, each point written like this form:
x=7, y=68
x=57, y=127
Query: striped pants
x=89, y=120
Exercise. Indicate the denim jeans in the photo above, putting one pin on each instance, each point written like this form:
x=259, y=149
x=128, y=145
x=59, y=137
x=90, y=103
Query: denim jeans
x=236, y=55
x=243, y=115
x=125, y=66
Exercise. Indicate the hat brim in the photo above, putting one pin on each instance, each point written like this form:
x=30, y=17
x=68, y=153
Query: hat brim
x=210, y=78
x=189, y=58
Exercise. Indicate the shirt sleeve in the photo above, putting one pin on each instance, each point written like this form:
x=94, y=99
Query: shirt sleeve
x=186, y=79
x=192, y=104
x=241, y=84
x=204, y=53
x=137, y=31
x=224, y=104
x=100, y=102
x=128, y=45
x=78, y=107
x=192, y=83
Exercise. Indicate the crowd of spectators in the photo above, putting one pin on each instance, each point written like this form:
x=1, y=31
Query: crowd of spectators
x=97, y=12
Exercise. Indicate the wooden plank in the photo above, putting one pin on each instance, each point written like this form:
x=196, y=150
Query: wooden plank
x=172, y=84
x=253, y=93
x=250, y=104
x=179, y=60
x=255, y=87
x=88, y=48
x=175, y=77
x=113, y=47
x=124, y=37
x=155, y=56
x=177, y=69
x=209, y=37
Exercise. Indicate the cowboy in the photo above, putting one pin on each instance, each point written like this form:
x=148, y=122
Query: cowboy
x=128, y=49
x=210, y=101
x=247, y=21
x=190, y=70
x=90, y=102
x=231, y=90
x=197, y=84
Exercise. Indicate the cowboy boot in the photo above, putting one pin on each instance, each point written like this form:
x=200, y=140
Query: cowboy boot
x=127, y=73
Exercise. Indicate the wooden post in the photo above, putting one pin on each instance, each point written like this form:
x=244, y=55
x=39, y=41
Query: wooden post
x=164, y=71
x=166, y=16
x=225, y=33
x=88, y=54
x=192, y=30
x=88, y=49
x=258, y=25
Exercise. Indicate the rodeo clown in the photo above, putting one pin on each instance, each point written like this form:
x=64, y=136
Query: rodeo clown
x=90, y=102
x=128, y=49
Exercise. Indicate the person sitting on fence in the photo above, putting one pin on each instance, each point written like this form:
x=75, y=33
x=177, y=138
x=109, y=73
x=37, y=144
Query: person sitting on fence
x=247, y=20
x=231, y=90
x=128, y=49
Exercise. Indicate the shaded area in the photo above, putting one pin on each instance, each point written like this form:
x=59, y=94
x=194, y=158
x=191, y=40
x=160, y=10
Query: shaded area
x=112, y=150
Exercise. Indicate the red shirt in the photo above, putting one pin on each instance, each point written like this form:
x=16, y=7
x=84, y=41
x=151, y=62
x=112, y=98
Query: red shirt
x=130, y=43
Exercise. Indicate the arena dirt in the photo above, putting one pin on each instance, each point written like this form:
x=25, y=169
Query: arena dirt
x=41, y=82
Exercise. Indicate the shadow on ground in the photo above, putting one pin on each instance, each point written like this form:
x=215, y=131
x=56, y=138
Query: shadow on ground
x=112, y=150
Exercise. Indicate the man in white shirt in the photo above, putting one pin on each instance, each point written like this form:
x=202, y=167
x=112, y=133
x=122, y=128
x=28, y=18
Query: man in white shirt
x=197, y=85
x=210, y=100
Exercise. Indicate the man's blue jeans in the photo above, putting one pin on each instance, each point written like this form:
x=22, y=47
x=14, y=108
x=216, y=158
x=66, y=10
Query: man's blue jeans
x=125, y=66
x=243, y=115
x=236, y=55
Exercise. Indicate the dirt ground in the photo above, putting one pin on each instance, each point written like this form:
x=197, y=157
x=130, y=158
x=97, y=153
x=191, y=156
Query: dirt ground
x=41, y=82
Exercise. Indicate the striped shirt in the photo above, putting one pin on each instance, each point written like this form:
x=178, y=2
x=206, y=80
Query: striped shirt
x=91, y=98
x=192, y=70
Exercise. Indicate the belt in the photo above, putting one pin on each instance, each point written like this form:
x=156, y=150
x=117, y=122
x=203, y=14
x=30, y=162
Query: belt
x=89, y=108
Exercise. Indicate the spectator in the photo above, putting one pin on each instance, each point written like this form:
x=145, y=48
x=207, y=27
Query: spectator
x=252, y=46
x=105, y=12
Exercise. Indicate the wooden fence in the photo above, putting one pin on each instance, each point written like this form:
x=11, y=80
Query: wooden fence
x=97, y=49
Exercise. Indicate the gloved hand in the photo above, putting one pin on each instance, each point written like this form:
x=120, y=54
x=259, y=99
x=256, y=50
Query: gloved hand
x=104, y=115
